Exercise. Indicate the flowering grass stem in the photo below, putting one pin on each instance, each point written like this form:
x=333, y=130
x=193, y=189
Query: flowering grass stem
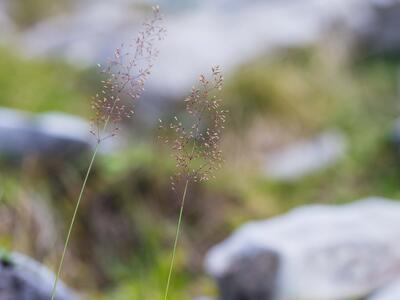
x=126, y=75
x=60, y=265
x=66, y=243
x=178, y=229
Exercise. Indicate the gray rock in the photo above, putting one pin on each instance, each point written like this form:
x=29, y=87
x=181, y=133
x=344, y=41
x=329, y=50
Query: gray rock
x=325, y=252
x=305, y=157
x=389, y=292
x=50, y=135
x=252, y=277
x=380, y=34
x=22, y=278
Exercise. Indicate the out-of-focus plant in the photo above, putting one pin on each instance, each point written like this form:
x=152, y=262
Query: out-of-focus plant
x=125, y=76
x=195, y=147
x=27, y=13
x=4, y=256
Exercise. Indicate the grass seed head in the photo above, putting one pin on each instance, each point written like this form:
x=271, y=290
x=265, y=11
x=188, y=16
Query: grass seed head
x=196, y=147
x=125, y=76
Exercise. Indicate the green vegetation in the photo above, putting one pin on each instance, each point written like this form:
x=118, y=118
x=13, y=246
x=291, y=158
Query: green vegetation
x=306, y=94
x=121, y=245
x=28, y=12
x=5, y=257
x=39, y=86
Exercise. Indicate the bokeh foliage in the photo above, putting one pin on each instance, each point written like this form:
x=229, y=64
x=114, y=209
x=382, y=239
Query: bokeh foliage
x=123, y=239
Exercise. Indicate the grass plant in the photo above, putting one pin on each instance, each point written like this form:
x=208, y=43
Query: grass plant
x=125, y=77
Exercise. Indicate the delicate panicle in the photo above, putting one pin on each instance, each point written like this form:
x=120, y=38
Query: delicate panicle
x=125, y=77
x=196, y=147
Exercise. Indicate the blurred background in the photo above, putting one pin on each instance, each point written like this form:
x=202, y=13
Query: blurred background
x=313, y=93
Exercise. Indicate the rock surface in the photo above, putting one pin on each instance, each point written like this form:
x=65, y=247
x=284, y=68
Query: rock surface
x=251, y=277
x=305, y=157
x=389, y=292
x=380, y=34
x=22, y=278
x=325, y=252
x=49, y=135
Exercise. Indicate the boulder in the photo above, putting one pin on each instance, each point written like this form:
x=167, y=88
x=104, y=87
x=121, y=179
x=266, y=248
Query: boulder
x=380, y=33
x=251, y=277
x=314, y=252
x=22, y=278
x=389, y=292
x=50, y=135
x=305, y=157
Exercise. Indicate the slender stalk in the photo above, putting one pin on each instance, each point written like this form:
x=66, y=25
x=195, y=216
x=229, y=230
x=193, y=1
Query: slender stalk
x=60, y=265
x=73, y=221
x=178, y=228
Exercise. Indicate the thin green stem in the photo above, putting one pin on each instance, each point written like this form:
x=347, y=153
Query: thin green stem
x=178, y=228
x=73, y=221
x=60, y=265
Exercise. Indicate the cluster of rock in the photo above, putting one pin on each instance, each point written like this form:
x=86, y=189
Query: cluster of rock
x=379, y=33
x=22, y=278
x=305, y=157
x=48, y=135
x=317, y=252
x=308, y=156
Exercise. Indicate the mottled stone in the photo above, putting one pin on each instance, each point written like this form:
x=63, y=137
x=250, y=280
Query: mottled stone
x=390, y=291
x=252, y=277
x=52, y=135
x=322, y=252
x=22, y=278
x=305, y=157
